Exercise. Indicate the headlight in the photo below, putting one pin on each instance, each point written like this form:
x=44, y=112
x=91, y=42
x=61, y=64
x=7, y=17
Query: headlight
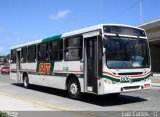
x=145, y=80
x=109, y=81
x=148, y=79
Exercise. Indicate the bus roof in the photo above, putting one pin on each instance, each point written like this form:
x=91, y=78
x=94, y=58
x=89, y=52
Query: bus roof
x=76, y=32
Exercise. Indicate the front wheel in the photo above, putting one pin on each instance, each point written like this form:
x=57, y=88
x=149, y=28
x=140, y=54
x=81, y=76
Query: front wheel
x=26, y=81
x=74, y=89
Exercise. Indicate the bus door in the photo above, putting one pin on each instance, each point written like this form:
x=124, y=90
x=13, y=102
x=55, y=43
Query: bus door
x=92, y=60
x=18, y=62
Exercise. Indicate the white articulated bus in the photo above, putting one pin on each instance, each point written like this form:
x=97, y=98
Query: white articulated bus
x=102, y=59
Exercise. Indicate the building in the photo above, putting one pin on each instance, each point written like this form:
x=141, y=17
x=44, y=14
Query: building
x=153, y=32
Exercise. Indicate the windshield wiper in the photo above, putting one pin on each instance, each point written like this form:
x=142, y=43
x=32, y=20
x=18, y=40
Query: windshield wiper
x=123, y=46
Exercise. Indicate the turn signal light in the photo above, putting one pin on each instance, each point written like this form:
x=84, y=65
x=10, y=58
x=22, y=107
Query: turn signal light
x=146, y=85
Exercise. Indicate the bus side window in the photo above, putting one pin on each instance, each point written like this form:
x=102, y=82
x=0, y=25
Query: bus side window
x=73, y=48
x=56, y=50
x=24, y=54
x=13, y=56
x=60, y=49
x=42, y=52
x=32, y=53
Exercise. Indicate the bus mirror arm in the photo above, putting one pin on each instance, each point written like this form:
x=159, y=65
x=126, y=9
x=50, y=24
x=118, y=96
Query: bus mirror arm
x=105, y=41
x=104, y=53
x=82, y=61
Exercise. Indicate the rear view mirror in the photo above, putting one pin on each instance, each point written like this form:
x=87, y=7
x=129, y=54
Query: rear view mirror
x=105, y=41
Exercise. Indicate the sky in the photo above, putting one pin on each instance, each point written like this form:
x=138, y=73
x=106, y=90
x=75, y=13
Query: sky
x=23, y=21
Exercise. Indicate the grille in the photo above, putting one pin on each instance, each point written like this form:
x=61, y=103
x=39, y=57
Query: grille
x=132, y=87
x=130, y=73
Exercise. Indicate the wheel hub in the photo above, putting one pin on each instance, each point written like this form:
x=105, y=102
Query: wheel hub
x=25, y=81
x=73, y=88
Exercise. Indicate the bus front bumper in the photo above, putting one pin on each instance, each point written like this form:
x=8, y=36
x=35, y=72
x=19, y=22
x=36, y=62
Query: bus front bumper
x=106, y=88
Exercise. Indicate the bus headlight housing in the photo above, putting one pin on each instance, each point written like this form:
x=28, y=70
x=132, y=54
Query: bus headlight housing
x=145, y=80
x=110, y=81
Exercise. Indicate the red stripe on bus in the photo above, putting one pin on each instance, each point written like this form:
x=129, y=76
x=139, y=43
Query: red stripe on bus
x=111, y=74
x=75, y=71
x=58, y=70
x=141, y=75
x=67, y=71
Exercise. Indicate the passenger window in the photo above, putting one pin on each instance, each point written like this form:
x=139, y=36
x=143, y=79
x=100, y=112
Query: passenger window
x=73, y=48
x=24, y=54
x=42, y=52
x=32, y=53
x=13, y=56
x=56, y=50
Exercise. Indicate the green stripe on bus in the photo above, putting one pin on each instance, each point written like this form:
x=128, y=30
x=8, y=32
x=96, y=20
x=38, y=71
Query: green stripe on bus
x=54, y=74
x=51, y=38
x=13, y=71
x=143, y=78
x=66, y=74
x=82, y=76
x=111, y=78
x=118, y=80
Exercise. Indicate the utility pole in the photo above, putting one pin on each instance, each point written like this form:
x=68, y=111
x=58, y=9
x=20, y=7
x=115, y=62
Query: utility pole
x=100, y=11
x=141, y=20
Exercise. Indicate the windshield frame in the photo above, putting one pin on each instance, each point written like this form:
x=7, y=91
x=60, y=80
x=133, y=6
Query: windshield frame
x=123, y=30
x=121, y=37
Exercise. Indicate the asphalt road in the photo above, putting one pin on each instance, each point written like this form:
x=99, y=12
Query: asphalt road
x=145, y=100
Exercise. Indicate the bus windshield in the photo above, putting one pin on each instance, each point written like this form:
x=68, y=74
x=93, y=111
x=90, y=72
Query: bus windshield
x=126, y=52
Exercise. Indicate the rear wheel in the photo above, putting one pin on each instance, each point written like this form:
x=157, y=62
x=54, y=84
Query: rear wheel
x=74, y=89
x=26, y=81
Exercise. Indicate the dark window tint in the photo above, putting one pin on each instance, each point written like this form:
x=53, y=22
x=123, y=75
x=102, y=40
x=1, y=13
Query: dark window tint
x=56, y=50
x=124, y=30
x=13, y=56
x=32, y=53
x=73, y=48
x=124, y=53
x=42, y=52
x=24, y=54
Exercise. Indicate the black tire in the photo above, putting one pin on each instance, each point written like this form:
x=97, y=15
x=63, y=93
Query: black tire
x=26, y=81
x=73, y=88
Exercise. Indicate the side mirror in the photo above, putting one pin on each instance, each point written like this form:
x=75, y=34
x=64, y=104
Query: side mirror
x=105, y=41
